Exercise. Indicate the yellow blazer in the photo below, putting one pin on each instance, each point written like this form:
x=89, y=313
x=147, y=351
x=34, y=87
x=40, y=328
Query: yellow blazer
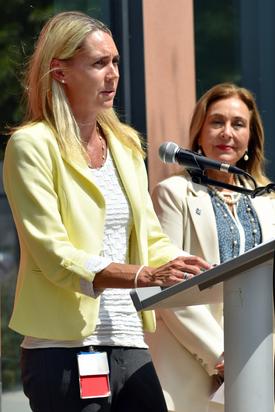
x=59, y=215
x=192, y=337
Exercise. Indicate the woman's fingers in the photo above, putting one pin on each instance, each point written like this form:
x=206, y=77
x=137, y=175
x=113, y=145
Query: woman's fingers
x=162, y=276
x=175, y=271
x=193, y=262
x=187, y=264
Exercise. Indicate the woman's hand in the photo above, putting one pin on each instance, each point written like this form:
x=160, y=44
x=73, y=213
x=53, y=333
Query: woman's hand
x=118, y=275
x=218, y=378
x=220, y=366
x=175, y=271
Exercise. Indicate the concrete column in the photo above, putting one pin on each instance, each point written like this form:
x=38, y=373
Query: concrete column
x=169, y=77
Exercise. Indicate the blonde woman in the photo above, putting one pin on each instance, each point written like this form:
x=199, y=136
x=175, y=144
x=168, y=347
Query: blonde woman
x=76, y=182
x=218, y=225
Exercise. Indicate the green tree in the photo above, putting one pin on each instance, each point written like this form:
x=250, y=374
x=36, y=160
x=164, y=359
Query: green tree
x=19, y=24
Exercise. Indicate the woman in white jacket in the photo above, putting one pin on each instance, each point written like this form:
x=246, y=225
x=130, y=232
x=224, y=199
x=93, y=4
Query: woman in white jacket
x=218, y=225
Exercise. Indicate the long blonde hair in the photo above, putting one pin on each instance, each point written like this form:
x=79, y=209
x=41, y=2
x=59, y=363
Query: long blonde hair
x=60, y=38
x=255, y=163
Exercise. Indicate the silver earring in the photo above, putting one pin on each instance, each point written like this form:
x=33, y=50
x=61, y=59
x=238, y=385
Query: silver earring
x=63, y=81
x=199, y=151
x=246, y=157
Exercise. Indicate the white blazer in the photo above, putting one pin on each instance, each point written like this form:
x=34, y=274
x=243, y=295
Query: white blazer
x=189, y=341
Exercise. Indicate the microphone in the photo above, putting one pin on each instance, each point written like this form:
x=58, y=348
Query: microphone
x=170, y=152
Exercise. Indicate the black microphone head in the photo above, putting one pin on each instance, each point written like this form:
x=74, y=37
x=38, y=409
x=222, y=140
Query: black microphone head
x=167, y=152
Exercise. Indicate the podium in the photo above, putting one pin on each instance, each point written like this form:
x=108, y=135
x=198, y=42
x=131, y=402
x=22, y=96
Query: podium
x=245, y=286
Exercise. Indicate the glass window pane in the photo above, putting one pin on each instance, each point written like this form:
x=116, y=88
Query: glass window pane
x=217, y=45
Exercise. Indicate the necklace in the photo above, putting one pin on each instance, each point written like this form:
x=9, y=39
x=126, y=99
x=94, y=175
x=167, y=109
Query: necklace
x=236, y=233
x=228, y=198
x=103, y=149
x=102, y=141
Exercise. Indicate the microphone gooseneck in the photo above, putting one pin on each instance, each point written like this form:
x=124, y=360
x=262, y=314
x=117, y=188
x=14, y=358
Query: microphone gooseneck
x=170, y=152
x=196, y=164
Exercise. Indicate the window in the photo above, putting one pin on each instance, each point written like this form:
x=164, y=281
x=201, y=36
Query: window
x=234, y=42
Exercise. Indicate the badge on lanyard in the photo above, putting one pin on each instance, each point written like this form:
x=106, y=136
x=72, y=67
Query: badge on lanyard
x=93, y=374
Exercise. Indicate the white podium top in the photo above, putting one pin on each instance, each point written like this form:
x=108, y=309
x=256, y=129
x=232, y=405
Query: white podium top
x=205, y=288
